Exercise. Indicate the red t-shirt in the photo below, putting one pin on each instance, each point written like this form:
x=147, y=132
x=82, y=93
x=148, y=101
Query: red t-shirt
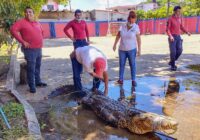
x=174, y=26
x=80, y=30
x=31, y=32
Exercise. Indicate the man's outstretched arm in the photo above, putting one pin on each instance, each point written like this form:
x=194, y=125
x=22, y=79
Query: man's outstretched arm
x=105, y=79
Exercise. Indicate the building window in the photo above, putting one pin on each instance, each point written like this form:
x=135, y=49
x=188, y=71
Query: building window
x=119, y=19
x=50, y=7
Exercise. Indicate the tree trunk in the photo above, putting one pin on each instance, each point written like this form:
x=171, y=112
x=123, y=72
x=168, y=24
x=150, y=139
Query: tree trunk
x=168, y=6
x=23, y=73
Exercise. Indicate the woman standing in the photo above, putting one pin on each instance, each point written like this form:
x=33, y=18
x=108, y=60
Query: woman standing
x=130, y=46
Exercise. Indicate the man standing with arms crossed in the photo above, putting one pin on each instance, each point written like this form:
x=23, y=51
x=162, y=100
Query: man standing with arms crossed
x=174, y=28
x=29, y=33
x=80, y=34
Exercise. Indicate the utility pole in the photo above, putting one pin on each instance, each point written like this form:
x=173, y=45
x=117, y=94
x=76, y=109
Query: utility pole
x=168, y=6
x=108, y=11
x=70, y=8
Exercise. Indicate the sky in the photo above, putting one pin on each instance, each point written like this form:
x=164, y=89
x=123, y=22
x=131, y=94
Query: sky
x=100, y=4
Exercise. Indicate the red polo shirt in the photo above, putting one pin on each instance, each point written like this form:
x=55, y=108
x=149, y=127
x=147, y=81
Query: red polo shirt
x=174, y=26
x=31, y=32
x=80, y=30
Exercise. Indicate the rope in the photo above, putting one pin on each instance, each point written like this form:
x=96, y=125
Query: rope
x=165, y=135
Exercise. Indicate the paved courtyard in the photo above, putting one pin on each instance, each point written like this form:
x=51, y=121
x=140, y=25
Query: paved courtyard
x=56, y=65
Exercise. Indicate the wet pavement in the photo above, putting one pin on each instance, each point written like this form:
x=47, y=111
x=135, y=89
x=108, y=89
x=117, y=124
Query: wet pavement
x=178, y=97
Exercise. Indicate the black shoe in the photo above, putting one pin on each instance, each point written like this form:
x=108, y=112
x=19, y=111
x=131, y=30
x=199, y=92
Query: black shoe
x=81, y=94
x=174, y=68
x=32, y=90
x=170, y=63
x=134, y=84
x=41, y=85
x=93, y=89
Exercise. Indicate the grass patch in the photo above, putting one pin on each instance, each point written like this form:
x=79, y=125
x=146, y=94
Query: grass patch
x=16, y=118
x=195, y=68
x=4, y=54
x=6, y=50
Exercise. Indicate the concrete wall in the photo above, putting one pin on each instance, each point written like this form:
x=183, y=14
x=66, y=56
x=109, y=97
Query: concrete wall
x=100, y=28
x=102, y=15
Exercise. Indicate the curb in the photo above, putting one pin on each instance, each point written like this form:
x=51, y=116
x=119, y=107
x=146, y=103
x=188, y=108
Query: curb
x=33, y=125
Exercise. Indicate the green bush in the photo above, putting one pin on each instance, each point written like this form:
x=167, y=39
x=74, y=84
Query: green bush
x=16, y=118
x=13, y=110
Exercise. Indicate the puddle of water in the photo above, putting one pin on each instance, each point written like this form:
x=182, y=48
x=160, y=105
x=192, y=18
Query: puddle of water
x=152, y=91
x=68, y=120
x=168, y=96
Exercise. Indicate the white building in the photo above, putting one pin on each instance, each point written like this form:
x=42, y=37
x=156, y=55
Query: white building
x=147, y=6
x=124, y=9
x=53, y=6
x=141, y=6
x=102, y=15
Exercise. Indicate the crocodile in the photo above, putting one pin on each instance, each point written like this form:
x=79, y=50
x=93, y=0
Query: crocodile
x=120, y=115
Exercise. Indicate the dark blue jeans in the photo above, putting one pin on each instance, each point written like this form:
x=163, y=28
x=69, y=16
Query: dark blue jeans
x=80, y=43
x=33, y=58
x=175, y=49
x=77, y=68
x=131, y=55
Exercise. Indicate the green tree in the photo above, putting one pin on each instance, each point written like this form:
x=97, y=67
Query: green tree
x=192, y=7
x=164, y=2
x=163, y=12
x=140, y=14
x=11, y=10
x=35, y=4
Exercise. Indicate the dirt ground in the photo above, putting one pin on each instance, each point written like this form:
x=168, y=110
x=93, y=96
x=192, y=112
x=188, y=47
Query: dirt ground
x=56, y=65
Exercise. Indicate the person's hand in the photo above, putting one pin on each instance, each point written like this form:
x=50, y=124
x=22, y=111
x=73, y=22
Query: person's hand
x=73, y=39
x=171, y=38
x=92, y=74
x=72, y=55
x=89, y=42
x=114, y=47
x=138, y=53
x=26, y=44
x=188, y=33
x=105, y=92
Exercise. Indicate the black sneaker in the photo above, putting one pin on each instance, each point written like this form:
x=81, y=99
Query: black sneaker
x=173, y=68
x=41, y=84
x=171, y=64
x=134, y=84
x=32, y=90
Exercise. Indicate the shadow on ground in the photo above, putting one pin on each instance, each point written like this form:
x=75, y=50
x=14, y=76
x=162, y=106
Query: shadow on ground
x=57, y=42
x=58, y=72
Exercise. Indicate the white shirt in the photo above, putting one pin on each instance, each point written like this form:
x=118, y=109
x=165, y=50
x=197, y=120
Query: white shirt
x=87, y=55
x=128, y=37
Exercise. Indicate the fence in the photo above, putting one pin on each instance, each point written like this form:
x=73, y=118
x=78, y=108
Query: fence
x=100, y=28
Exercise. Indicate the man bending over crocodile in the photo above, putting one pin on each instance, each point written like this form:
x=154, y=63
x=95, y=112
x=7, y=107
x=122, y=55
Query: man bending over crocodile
x=94, y=62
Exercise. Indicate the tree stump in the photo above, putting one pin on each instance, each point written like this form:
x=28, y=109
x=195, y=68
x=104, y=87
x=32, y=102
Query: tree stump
x=23, y=73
